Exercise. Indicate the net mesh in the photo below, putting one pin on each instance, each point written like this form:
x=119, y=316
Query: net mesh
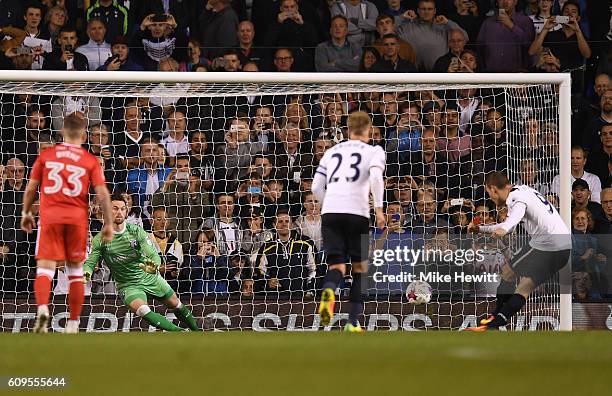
x=228, y=157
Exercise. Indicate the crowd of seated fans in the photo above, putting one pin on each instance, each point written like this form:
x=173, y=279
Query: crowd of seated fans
x=222, y=184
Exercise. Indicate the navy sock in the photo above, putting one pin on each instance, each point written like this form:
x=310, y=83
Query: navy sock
x=332, y=279
x=510, y=308
x=356, y=300
x=505, y=290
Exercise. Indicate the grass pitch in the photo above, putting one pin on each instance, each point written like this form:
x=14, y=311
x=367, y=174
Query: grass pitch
x=323, y=363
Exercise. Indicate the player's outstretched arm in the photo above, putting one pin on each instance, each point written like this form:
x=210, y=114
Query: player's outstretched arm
x=515, y=214
x=103, y=197
x=27, y=218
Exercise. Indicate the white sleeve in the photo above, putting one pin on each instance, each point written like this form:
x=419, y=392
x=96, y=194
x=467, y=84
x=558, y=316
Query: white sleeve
x=515, y=215
x=377, y=186
x=595, y=189
x=320, y=181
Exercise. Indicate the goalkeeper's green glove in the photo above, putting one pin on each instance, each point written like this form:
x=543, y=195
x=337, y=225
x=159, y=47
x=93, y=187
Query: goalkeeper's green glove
x=149, y=266
x=86, y=277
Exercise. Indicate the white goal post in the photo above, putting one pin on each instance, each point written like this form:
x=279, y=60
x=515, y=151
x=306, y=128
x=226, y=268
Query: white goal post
x=242, y=84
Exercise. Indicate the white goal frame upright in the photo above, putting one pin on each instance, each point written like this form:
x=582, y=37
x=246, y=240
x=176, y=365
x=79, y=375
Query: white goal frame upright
x=562, y=80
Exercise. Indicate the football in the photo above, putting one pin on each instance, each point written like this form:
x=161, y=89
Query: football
x=418, y=292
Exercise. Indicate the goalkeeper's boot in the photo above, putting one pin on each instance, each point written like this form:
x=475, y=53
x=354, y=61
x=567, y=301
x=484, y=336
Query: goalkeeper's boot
x=42, y=319
x=478, y=329
x=326, y=306
x=350, y=328
x=487, y=320
x=72, y=327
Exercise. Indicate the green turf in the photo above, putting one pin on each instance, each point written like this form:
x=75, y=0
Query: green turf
x=284, y=363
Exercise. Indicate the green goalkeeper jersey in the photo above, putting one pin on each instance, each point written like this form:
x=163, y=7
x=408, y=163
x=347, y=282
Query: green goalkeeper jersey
x=122, y=256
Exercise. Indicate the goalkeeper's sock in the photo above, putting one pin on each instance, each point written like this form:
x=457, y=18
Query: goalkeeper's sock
x=505, y=290
x=356, y=300
x=76, y=291
x=332, y=279
x=42, y=285
x=185, y=316
x=155, y=319
x=510, y=308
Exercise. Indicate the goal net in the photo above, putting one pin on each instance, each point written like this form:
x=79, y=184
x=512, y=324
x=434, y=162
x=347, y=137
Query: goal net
x=218, y=169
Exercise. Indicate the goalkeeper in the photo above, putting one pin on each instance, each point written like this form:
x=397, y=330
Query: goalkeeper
x=133, y=263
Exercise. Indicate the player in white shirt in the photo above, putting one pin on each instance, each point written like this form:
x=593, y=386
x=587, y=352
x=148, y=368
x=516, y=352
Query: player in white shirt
x=547, y=252
x=346, y=175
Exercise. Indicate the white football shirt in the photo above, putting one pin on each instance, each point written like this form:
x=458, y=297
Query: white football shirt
x=539, y=217
x=346, y=168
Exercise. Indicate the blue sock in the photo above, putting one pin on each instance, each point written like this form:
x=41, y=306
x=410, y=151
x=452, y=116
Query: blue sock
x=356, y=300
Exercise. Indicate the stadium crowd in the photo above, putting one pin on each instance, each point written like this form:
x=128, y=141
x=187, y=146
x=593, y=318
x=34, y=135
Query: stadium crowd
x=222, y=184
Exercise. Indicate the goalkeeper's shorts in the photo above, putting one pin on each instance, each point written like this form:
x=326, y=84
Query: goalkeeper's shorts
x=158, y=288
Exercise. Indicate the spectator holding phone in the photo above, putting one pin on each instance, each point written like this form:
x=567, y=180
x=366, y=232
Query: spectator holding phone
x=568, y=44
x=543, y=13
x=120, y=59
x=158, y=39
x=64, y=57
x=505, y=37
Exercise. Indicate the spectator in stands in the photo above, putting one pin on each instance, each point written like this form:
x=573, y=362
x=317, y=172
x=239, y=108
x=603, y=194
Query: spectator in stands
x=264, y=127
x=581, y=199
x=200, y=159
x=291, y=31
x=579, y=159
x=291, y=161
x=456, y=45
x=167, y=245
x=217, y=28
x=361, y=15
x=504, y=39
x=369, y=57
x=547, y=63
x=114, y=15
x=585, y=255
x=23, y=141
x=194, y=55
x=158, y=39
x=544, y=12
x=529, y=175
x=127, y=143
x=13, y=242
x=87, y=106
x=35, y=37
x=246, y=34
x=233, y=158
x=176, y=142
x=309, y=222
x=598, y=159
x=429, y=163
x=601, y=85
x=467, y=16
x=426, y=220
x=231, y=61
x=467, y=103
x=121, y=59
x=255, y=233
x=55, y=20
x=395, y=9
x=334, y=123
x=286, y=263
x=114, y=171
x=590, y=135
x=147, y=178
x=184, y=11
x=337, y=54
x=321, y=145
x=97, y=50
x=385, y=24
x=225, y=225
x=283, y=60
x=64, y=57
x=389, y=112
x=568, y=44
x=451, y=141
x=185, y=202
x=427, y=34
x=391, y=61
